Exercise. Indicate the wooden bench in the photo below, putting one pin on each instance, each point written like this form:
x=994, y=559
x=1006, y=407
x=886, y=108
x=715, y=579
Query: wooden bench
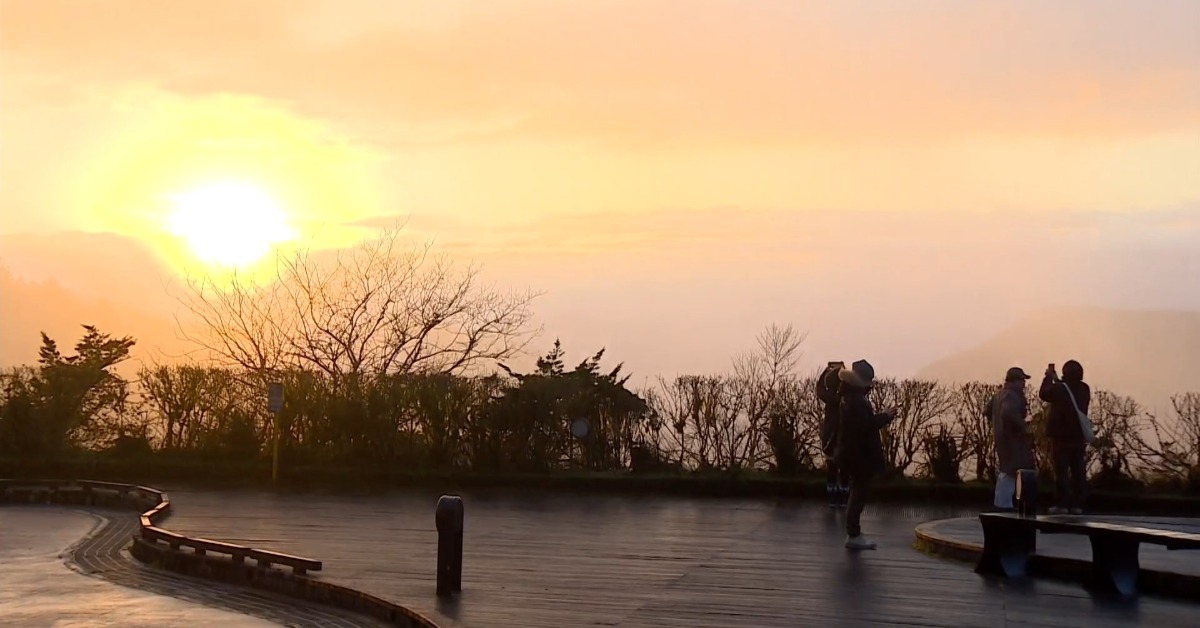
x=237, y=553
x=1008, y=542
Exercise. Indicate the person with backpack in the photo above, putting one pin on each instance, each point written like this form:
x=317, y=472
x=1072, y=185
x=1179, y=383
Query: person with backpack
x=837, y=485
x=1069, y=398
x=859, y=446
x=1014, y=448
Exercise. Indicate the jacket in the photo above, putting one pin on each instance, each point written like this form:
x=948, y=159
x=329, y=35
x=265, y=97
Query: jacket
x=860, y=448
x=1062, y=426
x=1013, y=446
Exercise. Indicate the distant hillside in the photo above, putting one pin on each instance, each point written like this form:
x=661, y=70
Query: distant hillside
x=1148, y=355
x=28, y=308
x=104, y=266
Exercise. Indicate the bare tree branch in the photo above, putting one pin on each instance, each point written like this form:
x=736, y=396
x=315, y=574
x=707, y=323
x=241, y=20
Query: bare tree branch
x=380, y=307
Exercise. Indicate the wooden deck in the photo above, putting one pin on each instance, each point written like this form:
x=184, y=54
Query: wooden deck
x=560, y=561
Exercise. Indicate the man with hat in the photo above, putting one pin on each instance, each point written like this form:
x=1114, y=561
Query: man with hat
x=1014, y=450
x=860, y=449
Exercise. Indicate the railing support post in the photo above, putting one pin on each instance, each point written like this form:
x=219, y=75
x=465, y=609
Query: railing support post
x=449, y=520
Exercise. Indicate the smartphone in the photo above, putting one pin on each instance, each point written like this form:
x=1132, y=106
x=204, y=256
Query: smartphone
x=1051, y=367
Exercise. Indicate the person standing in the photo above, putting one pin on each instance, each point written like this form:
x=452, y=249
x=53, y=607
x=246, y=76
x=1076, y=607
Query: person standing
x=860, y=449
x=1068, y=398
x=1014, y=449
x=837, y=485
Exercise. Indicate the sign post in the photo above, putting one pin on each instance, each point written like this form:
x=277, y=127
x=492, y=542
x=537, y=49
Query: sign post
x=275, y=406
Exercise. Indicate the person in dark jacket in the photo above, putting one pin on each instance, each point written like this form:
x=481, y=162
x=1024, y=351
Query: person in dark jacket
x=860, y=449
x=1067, y=444
x=837, y=485
x=1014, y=448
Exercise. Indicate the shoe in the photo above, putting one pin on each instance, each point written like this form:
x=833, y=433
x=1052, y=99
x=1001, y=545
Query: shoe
x=1077, y=511
x=859, y=542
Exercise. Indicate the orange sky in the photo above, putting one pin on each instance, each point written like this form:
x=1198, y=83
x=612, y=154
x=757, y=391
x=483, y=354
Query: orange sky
x=646, y=136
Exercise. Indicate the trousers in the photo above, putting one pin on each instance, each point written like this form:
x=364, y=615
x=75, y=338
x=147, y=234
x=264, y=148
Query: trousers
x=1006, y=489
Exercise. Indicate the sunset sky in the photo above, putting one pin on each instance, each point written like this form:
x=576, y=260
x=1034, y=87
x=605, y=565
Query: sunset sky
x=900, y=179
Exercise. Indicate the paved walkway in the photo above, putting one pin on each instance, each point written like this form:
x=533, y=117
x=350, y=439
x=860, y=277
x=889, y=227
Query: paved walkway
x=967, y=530
x=560, y=560
x=38, y=589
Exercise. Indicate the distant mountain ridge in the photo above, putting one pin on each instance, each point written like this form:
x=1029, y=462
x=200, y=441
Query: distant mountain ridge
x=1146, y=354
x=105, y=266
x=56, y=283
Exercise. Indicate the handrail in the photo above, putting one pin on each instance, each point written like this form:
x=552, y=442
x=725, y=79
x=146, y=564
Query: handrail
x=150, y=539
x=151, y=532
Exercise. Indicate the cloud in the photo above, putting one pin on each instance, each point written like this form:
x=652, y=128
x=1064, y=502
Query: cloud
x=482, y=112
x=634, y=74
x=989, y=256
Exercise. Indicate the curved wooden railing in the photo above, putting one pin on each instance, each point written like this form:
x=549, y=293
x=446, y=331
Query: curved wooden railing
x=87, y=491
x=152, y=542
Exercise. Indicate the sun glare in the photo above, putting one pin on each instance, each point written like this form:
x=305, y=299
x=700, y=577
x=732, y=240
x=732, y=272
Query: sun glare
x=228, y=224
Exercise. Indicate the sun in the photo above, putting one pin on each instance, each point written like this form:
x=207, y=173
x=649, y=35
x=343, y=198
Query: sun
x=229, y=224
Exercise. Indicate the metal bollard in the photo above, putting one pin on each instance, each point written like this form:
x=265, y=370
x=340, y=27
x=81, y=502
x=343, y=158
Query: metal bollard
x=449, y=519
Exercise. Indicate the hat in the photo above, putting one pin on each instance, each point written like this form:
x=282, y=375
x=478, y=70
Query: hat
x=860, y=374
x=1015, y=373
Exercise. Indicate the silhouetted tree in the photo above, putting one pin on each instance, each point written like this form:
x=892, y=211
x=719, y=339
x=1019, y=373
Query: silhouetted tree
x=973, y=429
x=1116, y=421
x=764, y=383
x=68, y=400
x=21, y=427
x=531, y=421
x=376, y=309
x=1174, y=452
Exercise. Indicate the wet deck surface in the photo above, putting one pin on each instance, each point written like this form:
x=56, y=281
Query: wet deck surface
x=1077, y=546
x=562, y=560
x=46, y=552
x=38, y=590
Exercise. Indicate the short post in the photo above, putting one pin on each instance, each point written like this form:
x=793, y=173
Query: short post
x=1027, y=501
x=275, y=406
x=449, y=519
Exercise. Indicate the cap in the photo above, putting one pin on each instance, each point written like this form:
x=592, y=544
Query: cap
x=1015, y=373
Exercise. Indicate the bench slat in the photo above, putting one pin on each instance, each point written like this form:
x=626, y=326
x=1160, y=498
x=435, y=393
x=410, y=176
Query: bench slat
x=1058, y=525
